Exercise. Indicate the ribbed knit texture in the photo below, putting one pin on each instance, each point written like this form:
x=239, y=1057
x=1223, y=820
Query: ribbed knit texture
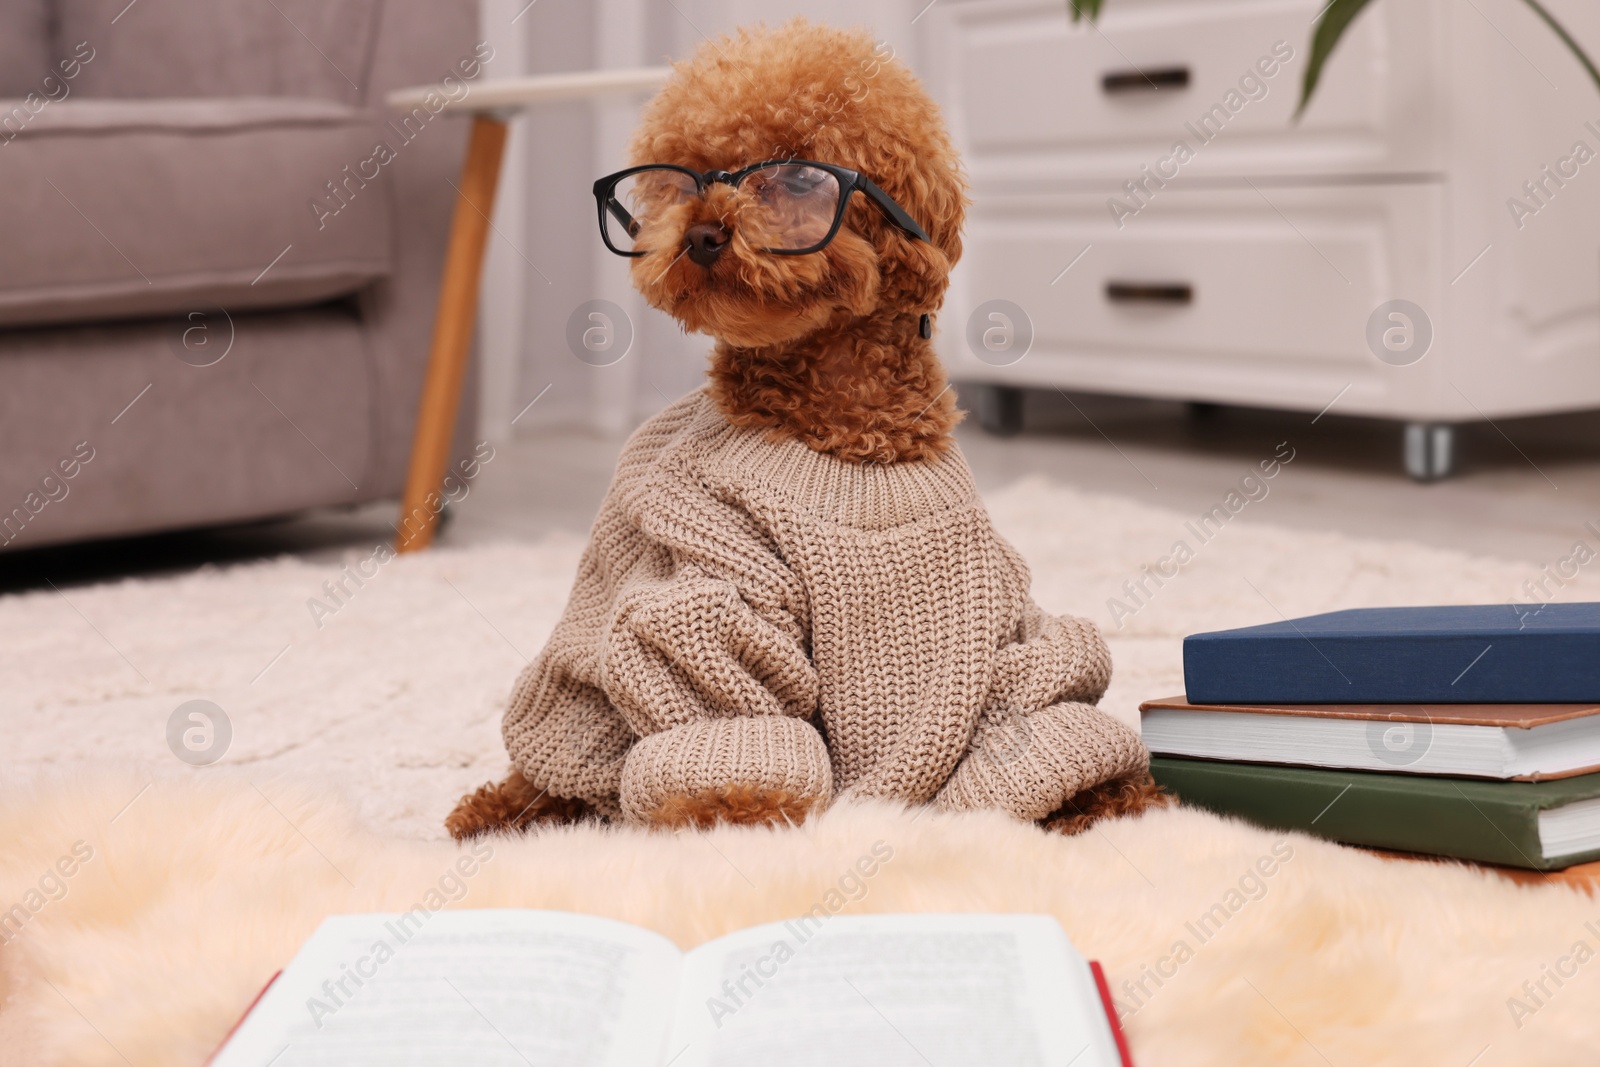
x=774, y=752
x=739, y=594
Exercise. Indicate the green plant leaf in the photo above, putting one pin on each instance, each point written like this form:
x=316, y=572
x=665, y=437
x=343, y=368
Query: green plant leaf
x=1566, y=39
x=1081, y=9
x=1335, y=19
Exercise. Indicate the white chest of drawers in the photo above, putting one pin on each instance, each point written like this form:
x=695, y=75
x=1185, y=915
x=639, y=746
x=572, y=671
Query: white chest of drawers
x=1193, y=242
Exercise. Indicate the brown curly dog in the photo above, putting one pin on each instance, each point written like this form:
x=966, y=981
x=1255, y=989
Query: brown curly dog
x=827, y=347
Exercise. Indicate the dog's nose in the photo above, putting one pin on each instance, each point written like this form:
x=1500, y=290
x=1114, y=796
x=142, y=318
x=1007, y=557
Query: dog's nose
x=706, y=242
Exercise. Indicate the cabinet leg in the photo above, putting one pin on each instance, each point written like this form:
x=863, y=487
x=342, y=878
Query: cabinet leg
x=1000, y=409
x=1429, y=451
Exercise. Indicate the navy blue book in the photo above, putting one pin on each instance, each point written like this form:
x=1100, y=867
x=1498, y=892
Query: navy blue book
x=1480, y=654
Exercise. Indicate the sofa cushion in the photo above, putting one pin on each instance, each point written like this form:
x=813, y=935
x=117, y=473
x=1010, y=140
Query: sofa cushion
x=126, y=209
x=284, y=422
x=179, y=48
x=24, y=46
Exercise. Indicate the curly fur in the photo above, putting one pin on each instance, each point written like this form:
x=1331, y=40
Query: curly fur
x=736, y=803
x=823, y=348
x=514, y=804
x=1108, y=800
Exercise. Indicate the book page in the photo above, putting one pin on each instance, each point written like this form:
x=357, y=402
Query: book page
x=913, y=990
x=497, y=988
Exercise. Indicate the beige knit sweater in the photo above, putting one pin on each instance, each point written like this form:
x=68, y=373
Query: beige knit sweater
x=756, y=612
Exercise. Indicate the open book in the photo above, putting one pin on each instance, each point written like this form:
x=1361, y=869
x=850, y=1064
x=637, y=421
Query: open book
x=511, y=988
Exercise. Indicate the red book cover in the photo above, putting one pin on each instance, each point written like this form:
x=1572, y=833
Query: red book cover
x=1111, y=1012
x=229, y=1036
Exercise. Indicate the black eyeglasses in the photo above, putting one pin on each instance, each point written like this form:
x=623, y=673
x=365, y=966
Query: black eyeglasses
x=793, y=207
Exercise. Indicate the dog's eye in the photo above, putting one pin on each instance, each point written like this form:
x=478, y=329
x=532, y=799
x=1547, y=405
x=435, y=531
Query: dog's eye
x=802, y=181
x=790, y=182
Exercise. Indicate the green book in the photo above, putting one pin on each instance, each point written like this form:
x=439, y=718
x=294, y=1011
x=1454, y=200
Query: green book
x=1538, y=825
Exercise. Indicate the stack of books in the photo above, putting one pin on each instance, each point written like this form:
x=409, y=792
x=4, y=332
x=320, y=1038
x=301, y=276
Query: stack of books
x=1467, y=732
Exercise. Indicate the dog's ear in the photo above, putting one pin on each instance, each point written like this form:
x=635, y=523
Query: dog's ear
x=916, y=273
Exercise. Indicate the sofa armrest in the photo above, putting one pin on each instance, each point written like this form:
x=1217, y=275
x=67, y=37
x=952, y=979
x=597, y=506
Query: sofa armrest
x=353, y=51
x=420, y=42
x=24, y=48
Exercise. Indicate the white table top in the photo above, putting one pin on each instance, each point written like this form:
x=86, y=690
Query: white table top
x=510, y=94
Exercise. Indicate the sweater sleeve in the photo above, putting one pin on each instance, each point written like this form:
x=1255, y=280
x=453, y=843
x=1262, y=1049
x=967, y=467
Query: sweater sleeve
x=686, y=646
x=706, y=657
x=1052, y=658
x=1039, y=738
x=680, y=661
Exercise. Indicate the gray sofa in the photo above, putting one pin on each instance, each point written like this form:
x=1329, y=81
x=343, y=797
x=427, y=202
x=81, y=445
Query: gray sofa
x=219, y=255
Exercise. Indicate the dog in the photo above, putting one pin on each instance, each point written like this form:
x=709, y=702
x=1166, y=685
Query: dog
x=792, y=592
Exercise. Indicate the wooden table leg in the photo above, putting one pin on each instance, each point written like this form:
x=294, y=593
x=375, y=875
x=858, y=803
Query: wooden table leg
x=452, y=334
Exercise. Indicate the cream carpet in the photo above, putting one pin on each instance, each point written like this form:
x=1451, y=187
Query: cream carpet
x=351, y=739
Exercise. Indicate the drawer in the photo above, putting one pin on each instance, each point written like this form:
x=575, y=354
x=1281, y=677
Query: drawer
x=1232, y=295
x=1033, y=97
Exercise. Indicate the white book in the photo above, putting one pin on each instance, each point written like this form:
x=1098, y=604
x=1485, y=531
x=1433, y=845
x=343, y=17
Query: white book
x=1507, y=741
x=519, y=988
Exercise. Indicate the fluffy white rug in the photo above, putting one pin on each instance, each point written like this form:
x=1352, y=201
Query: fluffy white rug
x=208, y=878
x=197, y=893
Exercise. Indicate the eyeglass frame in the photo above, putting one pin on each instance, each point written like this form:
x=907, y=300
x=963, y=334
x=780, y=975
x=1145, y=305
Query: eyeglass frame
x=849, y=181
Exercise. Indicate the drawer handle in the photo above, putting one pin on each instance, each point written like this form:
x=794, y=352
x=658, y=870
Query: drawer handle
x=1136, y=81
x=1164, y=294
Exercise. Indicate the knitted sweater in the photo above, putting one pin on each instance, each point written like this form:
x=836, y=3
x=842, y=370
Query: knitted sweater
x=756, y=612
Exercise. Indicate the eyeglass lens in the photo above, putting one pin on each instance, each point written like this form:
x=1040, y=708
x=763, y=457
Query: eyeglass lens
x=787, y=206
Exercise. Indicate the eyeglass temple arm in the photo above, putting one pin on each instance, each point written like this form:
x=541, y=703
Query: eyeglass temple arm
x=619, y=212
x=892, y=209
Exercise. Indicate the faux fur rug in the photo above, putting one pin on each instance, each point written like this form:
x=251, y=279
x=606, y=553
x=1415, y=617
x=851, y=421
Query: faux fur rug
x=362, y=701
x=1226, y=945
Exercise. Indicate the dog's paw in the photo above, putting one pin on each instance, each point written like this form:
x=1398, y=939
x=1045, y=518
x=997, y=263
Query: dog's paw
x=514, y=804
x=1120, y=796
x=736, y=803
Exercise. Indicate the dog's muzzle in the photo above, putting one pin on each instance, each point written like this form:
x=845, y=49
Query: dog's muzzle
x=706, y=241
